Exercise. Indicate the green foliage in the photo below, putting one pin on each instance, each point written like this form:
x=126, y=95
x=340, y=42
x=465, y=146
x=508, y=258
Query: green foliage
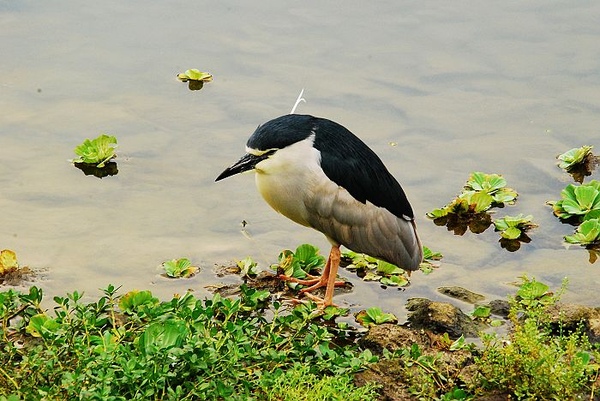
x=178, y=268
x=300, y=263
x=372, y=269
x=587, y=233
x=532, y=363
x=574, y=157
x=513, y=227
x=480, y=193
x=581, y=202
x=135, y=347
x=97, y=151
x=374, y=316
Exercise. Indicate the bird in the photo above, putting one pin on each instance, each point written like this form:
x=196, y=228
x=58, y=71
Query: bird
x=318, y=174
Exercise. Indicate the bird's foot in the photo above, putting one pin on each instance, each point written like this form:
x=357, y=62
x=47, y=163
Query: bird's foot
x=313, y=282
x=321, y=303
x=310, y=281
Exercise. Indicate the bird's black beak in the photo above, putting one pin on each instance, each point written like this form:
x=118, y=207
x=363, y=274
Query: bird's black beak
x=246, y=163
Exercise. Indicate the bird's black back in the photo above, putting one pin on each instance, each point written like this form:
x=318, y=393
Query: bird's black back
x=345, y=159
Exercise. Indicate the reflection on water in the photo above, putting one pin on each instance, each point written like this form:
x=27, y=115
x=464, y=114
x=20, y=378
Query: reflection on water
x=480, y=87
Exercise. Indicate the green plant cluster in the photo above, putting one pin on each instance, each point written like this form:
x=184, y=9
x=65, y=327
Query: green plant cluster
x=137, y=348
x=574, y=157
x=470, y=209
x=580, y=205
x=97, y=151
x=480, y=193
x=535, y=362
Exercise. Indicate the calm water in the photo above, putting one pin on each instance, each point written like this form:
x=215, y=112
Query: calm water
x=493, y=86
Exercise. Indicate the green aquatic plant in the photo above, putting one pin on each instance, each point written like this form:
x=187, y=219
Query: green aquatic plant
x=177, y=268
x=248, y=267
x=195, y=78
x=195, y=75
x=493, y=185
x=580, y=202
x=374, y=316
x=588, y=233
x=97, y=151
x=300, y=263
x=574, y=157
x=480, y=193
x=513, y=227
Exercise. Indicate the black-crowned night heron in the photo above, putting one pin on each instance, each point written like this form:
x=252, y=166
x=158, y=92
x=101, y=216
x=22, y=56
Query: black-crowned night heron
x=320, y=175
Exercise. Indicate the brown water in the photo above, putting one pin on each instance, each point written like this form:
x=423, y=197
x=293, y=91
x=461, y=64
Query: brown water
x=498, y=87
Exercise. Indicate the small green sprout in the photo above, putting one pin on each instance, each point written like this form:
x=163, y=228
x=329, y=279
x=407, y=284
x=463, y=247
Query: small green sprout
x=588, y=233
x=97, y=151
x=431, y=260
x=513, y=227
x=573, y=157
x=533, y=293
x=248, y=267
x=177, y=268
x=374, y=316
x=581, y=202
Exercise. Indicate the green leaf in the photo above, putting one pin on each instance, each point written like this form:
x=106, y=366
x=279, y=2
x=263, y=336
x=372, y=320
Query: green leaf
x=374, y=316
x=587, y=233
x=178, y=268
x=42, y=326
x=582, y=201
x=161, y=336
x=97, y=151
x=135, y=300
x=482, y=311
x=573, y=157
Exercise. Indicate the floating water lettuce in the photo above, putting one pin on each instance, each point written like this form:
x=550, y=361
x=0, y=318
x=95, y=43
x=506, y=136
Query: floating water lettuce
x=573, y=157
x=493, y=185
x=513, y=227
x=581, y=202
x=374, y=316
x=96, y=152
x=480, y=193
x=195, y=75
x=195, y=78
x=588, y=233
x=372, y=269
x=300, y=263
x=178, y=268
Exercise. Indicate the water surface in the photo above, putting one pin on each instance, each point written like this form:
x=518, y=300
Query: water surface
x=498, y=87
